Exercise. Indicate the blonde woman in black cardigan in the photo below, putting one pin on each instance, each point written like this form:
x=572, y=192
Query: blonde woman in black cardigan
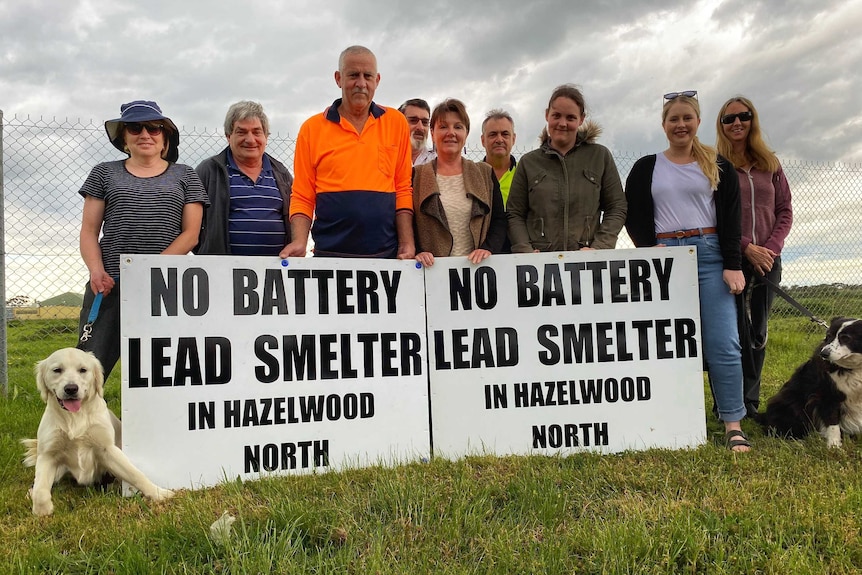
x=689, y=195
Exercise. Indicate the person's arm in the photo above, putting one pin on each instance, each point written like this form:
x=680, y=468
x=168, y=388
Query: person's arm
x=404, y=229
x=734, y=279
x=91, y=252
x=284, y=182
x=404, y=192
x=303, y=197
x=300, y=226
x=783, y=213
x=640, y=211
x=728, y=211
x=517, y=208
x=612, y=202
x=203, y=172
x=761, y=259
x=193, y=214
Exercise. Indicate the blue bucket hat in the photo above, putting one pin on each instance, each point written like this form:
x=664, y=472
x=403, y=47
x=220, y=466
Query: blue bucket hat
x=143, y=111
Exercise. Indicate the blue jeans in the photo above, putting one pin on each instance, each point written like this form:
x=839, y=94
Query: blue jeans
x=718, y=326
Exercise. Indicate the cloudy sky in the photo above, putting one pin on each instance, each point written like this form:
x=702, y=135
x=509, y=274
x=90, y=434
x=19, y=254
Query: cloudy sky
x=798, y=61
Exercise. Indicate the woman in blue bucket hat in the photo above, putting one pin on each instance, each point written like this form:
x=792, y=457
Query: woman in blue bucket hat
x=144, y=204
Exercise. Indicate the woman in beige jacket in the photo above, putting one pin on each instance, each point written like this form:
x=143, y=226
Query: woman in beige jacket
x=457, y=204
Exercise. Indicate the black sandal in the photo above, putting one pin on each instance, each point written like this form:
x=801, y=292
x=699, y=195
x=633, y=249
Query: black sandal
x=736, y=438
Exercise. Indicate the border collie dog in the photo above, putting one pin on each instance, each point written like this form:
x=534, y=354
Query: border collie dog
x=825, y=393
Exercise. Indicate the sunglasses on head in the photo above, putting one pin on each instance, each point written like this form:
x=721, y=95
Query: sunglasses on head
x=731, y=118
x=135, y=129
x=687, y=94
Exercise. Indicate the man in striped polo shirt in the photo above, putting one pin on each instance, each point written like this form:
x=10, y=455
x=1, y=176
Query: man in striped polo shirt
x=353, y=172
x=249, y=190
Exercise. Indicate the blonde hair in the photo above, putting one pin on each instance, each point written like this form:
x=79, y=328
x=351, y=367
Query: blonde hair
x=756, y=149
x=705, y=156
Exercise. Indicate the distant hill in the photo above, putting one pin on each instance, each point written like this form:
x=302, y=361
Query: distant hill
x=68, y=298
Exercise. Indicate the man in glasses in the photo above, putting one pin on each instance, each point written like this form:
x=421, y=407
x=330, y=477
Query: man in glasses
x=353, y=170
x=418, y=114
x=249, y=190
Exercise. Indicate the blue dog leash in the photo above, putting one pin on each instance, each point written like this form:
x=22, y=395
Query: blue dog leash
x=87, y=331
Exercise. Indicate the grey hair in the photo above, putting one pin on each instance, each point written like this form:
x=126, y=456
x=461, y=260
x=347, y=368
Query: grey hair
x=243, y=111
x=498, y=114
x=353, y=50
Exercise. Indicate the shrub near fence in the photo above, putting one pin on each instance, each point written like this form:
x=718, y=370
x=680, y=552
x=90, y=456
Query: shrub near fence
x=45, y=162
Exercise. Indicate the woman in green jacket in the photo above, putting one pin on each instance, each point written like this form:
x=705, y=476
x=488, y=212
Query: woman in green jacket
x=566, y=195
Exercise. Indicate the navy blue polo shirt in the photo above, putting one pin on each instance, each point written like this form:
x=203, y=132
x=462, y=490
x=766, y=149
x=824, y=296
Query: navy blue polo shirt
x=256, y=218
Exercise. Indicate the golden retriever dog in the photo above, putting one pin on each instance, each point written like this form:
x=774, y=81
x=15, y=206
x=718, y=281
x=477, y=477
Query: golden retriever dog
x=78, y=434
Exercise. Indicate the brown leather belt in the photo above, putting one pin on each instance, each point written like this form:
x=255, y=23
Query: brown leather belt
x=679, y=234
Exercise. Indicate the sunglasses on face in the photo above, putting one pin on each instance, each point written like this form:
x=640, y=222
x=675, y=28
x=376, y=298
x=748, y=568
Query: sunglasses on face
x=687, y=94
x=417, y=120
x=135, y=129
x=731, y=118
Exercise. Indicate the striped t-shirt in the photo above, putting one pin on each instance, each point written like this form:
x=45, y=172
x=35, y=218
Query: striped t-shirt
x=256, y=219
x=142, y=215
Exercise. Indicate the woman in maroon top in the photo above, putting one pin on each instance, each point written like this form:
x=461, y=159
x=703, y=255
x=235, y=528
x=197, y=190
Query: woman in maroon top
x=766, y=219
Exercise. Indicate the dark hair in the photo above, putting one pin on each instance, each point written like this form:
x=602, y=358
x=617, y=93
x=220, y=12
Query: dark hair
x=418, y=102
x=166, y=135
x=454, y=106
x=571, y=92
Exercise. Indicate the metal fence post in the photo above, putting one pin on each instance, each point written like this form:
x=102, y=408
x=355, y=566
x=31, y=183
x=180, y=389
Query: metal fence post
x=4, y=372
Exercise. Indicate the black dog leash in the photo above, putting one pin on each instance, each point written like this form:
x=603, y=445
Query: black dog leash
x=774, y=287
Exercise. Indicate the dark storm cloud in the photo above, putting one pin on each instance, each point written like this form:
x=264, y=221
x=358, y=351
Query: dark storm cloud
x=798, y=61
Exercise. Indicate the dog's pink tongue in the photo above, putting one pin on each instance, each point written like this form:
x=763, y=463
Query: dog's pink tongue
x=72, y=405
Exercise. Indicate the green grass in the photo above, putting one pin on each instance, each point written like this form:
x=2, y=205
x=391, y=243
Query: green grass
x=786, y=507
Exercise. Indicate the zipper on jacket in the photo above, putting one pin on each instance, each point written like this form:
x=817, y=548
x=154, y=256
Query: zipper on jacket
x=751, y=191
x=565, y=196
x=586, y=243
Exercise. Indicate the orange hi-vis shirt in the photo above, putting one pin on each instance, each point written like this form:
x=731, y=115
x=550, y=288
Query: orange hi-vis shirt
x=352, y=184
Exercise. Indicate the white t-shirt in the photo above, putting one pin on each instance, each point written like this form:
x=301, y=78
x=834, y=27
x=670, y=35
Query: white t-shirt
x=682, y=197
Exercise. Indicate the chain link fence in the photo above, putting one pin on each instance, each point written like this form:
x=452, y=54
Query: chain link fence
x=45, y=162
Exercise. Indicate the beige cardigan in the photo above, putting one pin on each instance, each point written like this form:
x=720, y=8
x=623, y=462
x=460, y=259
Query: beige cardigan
x=429, y=217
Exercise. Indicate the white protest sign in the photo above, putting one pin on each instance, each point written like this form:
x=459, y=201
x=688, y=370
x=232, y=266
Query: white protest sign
x=559, y=353
x=247, y=366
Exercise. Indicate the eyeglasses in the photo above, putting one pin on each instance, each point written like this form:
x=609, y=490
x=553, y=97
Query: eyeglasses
x=417, y=120
x=731, y=118
x=687, y=94
x=135, y=129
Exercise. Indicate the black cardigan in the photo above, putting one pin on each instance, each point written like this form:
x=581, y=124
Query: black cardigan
x=640, y=221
